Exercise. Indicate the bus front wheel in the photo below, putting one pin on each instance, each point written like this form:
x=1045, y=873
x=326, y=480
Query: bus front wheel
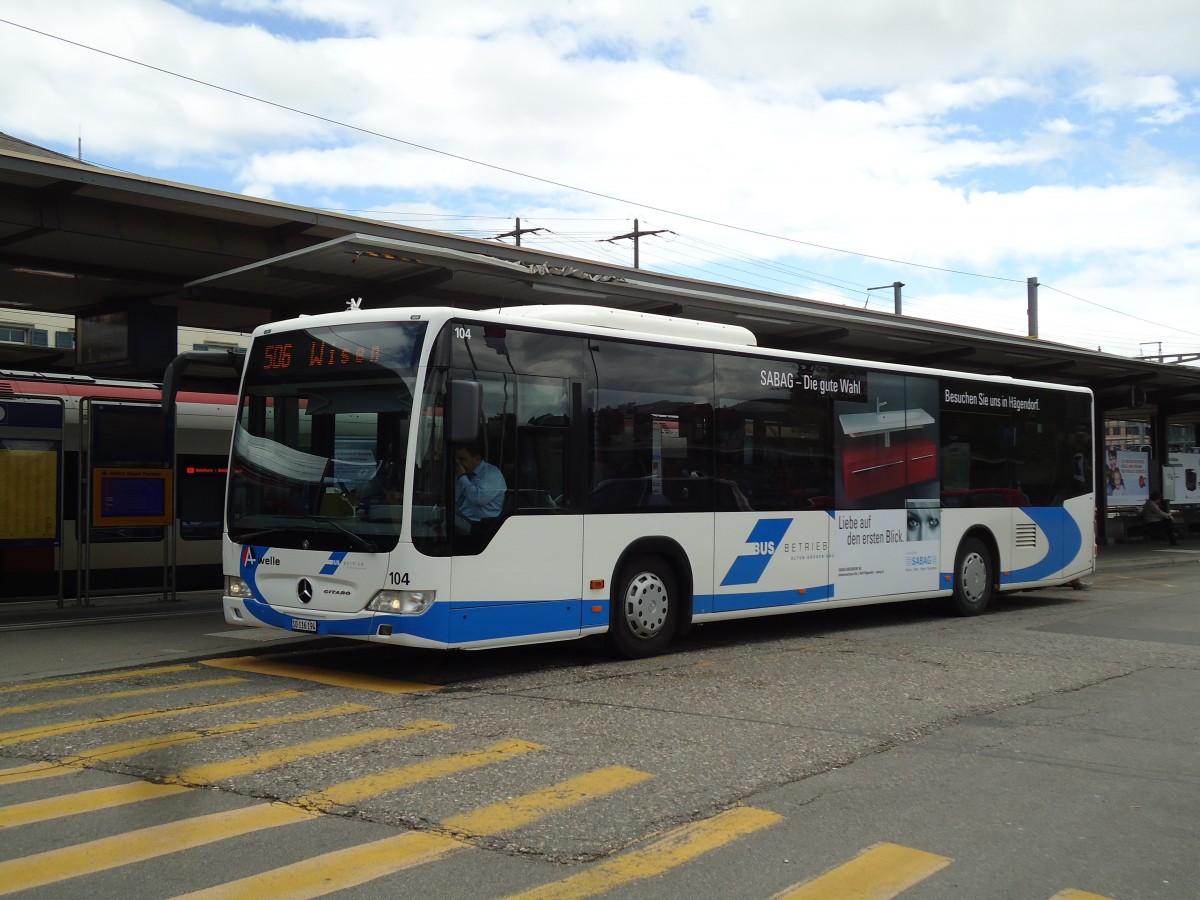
x=644, y=609
x=974, y=578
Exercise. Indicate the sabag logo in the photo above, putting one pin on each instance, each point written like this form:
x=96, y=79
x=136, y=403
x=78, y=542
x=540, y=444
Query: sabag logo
x=763, y=539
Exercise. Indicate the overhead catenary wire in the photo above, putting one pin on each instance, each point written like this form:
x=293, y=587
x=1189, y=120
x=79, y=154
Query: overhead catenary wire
x=686, y=255
x=477, y=162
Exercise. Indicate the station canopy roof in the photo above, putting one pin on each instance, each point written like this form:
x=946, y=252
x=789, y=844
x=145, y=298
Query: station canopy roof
x=75, y=239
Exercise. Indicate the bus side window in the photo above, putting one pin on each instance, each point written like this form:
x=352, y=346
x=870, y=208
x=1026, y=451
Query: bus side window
x=774, y=442
x=541, y=468
x=651, y=425
x=543, y=416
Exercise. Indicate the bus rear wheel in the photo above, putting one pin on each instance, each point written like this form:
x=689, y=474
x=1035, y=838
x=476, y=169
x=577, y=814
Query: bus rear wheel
x=645, y=609
x=974, y=579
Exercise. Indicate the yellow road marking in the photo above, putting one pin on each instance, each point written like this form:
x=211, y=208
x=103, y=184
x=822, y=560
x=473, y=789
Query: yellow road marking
x=322, y=676
x=93, y=679
x=342, y=869
x=506, y=815
x=42, y=731
x=84, y=801
x=31, y=772
x=347, y=793
x=118, y=695
x=673, y=849
x=877, y=873
x=259, y=762
x=124, y=749
x=334, y=871
x=1073, y=894
x=52, y=866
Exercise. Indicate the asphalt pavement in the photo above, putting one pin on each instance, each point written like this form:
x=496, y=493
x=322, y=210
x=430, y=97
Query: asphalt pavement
x=1046, y=748
x=42, y=640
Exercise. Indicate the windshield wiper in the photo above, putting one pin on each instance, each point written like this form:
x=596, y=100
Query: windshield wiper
x=253, y=536
x=363, y=543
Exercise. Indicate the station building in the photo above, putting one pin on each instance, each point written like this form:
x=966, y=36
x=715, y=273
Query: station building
x=188, y=268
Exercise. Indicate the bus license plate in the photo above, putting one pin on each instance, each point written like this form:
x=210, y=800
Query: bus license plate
x=304, y=625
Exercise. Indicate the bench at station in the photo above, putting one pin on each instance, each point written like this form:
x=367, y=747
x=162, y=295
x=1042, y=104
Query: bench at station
x=1123, y=527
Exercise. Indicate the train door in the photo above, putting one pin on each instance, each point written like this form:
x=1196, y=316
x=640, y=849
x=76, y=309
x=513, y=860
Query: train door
x=125, y=498
x=31, y=489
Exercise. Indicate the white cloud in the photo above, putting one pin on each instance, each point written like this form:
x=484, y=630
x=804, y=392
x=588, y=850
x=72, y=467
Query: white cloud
x=1061, y=125
x=1001, y=139
x=1157, y=97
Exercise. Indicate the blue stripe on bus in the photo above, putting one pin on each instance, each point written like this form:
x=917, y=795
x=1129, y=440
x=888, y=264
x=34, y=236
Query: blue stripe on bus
x=767, y=599
x=450, y=623
x=468, y=623
x=492, y=621
x=1063, y=540
x=357, y=627
x=248, y=566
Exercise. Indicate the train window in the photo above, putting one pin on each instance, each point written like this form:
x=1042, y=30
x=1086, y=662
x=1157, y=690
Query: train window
x=128, y=435
x=200, y=497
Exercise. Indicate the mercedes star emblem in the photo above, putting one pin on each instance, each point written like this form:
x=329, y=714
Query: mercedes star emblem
x=304, y=590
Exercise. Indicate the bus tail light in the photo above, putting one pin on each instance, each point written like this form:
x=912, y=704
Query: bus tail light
x=406, y=603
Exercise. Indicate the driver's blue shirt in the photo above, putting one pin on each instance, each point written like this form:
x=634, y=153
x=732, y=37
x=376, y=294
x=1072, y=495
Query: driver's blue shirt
x=480, y=494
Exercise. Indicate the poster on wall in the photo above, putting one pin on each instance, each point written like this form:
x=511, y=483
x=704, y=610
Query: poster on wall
x=1128, y=477
x=29, y=499
x=1181, y=478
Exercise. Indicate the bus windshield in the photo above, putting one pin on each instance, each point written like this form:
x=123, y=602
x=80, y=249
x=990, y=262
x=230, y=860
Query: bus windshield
x=320, y=441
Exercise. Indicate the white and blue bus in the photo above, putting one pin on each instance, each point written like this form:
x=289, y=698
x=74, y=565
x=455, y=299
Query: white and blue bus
x=643, y=474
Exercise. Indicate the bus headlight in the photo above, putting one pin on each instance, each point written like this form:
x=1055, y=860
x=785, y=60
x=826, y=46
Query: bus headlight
x=406, y=603
x=236, y=587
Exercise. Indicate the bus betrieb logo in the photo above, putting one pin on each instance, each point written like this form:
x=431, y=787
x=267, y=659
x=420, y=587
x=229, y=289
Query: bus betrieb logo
x=763, y=539
x=335, y=560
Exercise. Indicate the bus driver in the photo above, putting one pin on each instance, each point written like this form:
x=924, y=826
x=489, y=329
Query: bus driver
x=479, y=486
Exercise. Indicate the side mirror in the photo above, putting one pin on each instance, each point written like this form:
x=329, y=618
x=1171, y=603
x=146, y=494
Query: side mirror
x=466, y=411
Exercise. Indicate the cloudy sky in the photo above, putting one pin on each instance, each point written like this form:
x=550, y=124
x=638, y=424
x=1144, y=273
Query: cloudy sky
x=815, y=149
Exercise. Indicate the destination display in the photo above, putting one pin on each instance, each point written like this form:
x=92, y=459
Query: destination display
x=338, y=350
x=128, y=497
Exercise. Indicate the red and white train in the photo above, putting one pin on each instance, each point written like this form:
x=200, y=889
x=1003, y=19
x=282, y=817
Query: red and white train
x=101, y=492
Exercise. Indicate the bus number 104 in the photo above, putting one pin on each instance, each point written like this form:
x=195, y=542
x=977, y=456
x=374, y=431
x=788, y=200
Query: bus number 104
x=395, y=578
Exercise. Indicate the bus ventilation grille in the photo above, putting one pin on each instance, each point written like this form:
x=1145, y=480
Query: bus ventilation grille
x=1026, y=536
x=6, y=388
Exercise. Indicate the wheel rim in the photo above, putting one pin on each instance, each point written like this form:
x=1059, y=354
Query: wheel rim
x=646, y=605
x=974, y=577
